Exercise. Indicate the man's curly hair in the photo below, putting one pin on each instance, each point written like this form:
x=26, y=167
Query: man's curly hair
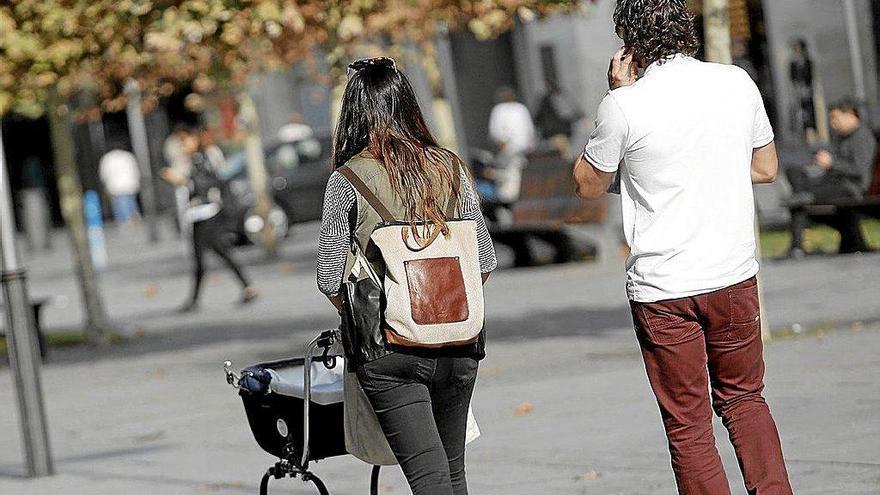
x=656, y=29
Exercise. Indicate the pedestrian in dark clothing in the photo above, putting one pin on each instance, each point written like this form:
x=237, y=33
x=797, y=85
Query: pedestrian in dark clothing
x=800, y=73
x=205, y=212
x=557, y=112
x=844, y=172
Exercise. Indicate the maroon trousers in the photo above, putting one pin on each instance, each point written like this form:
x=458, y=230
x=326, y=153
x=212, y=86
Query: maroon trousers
x=719, y=332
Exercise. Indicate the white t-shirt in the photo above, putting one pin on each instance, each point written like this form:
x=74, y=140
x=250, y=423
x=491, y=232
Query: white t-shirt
x=119, y=172
x=511, y=123
x=683, y=137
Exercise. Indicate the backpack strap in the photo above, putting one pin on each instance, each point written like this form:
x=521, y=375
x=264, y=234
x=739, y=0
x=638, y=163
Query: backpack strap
x=456, y=187
x=380, y=208
x=365, y=191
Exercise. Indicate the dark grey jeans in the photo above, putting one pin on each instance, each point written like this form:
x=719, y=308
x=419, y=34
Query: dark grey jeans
x=422, y=405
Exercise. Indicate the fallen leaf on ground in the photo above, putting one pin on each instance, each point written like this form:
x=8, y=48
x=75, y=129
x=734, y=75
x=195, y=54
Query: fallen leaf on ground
x=588, y=476
x=216, y=487
x=524, y=408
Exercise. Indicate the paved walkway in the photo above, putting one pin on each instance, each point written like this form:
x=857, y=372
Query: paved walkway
x=154, y=415
x=167, y=422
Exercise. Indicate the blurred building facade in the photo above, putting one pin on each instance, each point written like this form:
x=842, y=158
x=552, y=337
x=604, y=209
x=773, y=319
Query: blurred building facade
x=824, y=27
x=574, y=50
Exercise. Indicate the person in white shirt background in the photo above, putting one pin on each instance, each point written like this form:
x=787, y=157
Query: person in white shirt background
x=295, y=130
x=688, y=139
x=121, y=177
x=512, y=131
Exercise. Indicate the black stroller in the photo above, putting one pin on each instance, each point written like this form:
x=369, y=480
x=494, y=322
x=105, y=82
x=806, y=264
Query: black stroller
x=290, y=402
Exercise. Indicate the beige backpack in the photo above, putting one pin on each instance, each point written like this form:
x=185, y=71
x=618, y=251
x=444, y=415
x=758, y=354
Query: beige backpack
x=433, y=288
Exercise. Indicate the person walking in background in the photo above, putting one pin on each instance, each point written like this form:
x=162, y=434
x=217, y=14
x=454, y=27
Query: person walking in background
x=800, y=73
x=557, y=115
x=215, y=156
x=121, y=177
x=510, y=124
x=205, y=214
x=843, y=172
x=513, y=133
x=295, y=130
x=178, y=162
x=172, y=151
x=689, y=138
x=384, y=155
x=36, y=215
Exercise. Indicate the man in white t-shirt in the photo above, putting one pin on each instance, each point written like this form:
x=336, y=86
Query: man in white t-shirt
x=688, y=139
x=121, y=177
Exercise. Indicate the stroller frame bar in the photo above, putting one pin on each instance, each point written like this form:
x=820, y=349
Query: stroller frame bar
x=325, y=340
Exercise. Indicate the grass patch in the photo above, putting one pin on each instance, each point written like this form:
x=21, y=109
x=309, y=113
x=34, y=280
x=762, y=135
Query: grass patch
x=822, y=329
x=67, y=338
x=817, y=238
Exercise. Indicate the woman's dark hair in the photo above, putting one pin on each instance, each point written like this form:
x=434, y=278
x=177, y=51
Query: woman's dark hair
x=656, y=29
x=380, y=114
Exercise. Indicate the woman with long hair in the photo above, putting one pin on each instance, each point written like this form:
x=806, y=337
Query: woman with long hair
x=421, y=396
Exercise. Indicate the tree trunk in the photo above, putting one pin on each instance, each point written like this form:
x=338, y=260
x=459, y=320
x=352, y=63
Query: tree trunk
x=256, y=170
x=137, y=131
x=71, y=197
x=716, y=22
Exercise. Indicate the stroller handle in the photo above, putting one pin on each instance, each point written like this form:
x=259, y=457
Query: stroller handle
x=324, y=341
x=232, y=377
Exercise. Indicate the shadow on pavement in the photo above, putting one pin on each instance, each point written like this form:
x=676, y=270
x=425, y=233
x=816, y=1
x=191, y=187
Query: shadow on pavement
x=569, y=322
x=164, y=480
x=540, y=324
x=15, y=471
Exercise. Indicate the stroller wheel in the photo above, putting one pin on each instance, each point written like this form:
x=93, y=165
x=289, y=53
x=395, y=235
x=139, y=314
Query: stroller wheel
x=374, y=480
x=307, y=476
x=264, y=483
x=322, y=489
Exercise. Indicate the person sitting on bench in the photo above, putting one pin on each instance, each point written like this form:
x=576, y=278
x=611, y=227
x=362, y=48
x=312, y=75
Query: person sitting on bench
x=844, y=172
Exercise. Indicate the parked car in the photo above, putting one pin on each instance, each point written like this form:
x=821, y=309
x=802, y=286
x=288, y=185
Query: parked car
x=297, y=174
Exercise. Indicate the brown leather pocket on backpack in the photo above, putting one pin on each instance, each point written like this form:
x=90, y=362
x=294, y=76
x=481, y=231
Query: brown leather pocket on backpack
x=436, y=291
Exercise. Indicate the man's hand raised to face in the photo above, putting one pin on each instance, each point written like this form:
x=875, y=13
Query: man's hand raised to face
x=623, y=70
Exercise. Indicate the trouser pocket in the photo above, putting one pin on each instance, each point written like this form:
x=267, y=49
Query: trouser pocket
x=664, y=322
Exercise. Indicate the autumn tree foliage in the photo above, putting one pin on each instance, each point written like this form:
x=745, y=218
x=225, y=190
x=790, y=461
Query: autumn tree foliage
x=97, y=45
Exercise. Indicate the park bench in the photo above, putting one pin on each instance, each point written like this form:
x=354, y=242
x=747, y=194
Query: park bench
x=36, y=308
x=868, y=205
x=546, y=211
